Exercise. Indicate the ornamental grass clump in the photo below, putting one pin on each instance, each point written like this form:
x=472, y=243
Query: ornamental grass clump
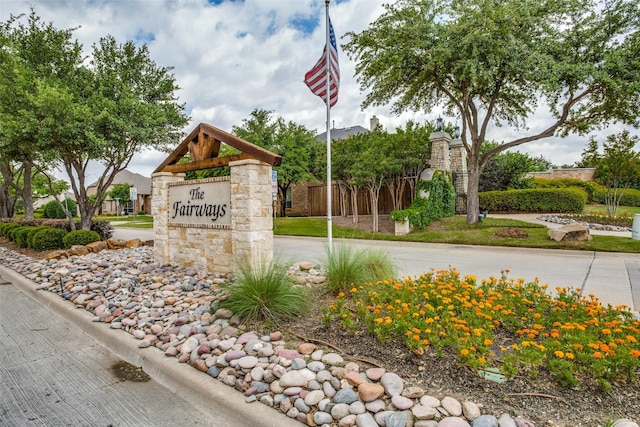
x=263, y=291
x=345, y=266
x=514, y=326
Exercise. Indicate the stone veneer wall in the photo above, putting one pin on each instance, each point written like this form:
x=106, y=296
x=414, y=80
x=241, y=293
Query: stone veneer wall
x=582, y=174
x=440, y=158
x=216, y=249
x=459, y=167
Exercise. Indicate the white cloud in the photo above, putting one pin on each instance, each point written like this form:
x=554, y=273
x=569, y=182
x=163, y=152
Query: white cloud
x=232, y=58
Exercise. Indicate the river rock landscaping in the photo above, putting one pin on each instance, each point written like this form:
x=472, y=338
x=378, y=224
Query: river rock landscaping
x=176, y=310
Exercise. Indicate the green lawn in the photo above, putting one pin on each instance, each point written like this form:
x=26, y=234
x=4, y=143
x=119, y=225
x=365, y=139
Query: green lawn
x=455, y=230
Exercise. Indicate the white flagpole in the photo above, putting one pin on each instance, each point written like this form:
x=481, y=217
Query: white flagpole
x=328, y=104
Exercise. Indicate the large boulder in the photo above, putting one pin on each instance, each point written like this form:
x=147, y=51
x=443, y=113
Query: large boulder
x=570, y=232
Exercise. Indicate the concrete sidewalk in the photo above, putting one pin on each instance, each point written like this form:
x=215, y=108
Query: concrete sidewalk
x=224, y=406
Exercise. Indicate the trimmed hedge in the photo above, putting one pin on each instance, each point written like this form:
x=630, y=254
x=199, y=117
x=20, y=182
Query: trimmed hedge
x=48, y=239
x=21, y=236
x=80, y=237
x=32, y=232
x=589, y=186
x=534, y=200
x=7, y=227
x=630, y=197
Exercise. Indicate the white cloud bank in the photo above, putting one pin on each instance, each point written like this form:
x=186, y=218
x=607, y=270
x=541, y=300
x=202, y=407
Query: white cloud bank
x=233, y=57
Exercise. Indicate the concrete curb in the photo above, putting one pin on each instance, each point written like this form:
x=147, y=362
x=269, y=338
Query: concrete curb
x=204, y=392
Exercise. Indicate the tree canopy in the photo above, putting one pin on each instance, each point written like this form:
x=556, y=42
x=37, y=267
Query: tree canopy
x=290, y=140
x=495, y=63
x=64, y=111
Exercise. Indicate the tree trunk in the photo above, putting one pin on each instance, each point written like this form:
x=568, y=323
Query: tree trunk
x=374, y=193
x=473, y=203
x=27, y=195
x=5, y=201
x=354, y=203
x=344, y=194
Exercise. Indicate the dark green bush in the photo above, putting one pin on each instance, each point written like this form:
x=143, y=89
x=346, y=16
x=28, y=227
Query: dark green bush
x=13, y=232
x=5, y=231
x=589, y=186
x=534, y=200
x=630, y=196
x=50, y=238
x=54, y=211
x=20, y=236
x=32, y=232
x=80, y=237
x=103, y=228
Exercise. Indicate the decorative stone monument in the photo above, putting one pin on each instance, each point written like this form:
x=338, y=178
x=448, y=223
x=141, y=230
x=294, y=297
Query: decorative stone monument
x=214, y=223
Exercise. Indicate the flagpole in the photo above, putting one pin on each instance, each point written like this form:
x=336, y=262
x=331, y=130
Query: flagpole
x=328, y=104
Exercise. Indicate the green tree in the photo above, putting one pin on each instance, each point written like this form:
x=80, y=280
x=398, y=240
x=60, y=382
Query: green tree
x=506, y=171
x=32, y=56
x=290, y=140
x=617, y=168
x=494, y=63
x=120, y=193
x=102, y=110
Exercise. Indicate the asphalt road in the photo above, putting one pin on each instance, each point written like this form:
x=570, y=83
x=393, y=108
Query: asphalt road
x=54, y=374
x=614, y=278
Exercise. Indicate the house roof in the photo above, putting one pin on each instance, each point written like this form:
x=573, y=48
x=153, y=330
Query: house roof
x=140, y=182
x=342, y=133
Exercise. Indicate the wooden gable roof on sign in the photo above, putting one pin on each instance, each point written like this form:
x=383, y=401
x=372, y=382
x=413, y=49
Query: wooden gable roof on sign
x=203, y=145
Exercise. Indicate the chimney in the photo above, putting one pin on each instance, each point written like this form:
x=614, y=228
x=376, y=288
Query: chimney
x=374, y=122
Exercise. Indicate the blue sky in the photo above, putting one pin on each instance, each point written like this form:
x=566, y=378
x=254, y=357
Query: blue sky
x=233, y=56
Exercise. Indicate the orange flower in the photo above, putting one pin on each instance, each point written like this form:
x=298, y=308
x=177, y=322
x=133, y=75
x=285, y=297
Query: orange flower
x=488, y=342
x=635, y=353
x=631, y=338
x=559, y=354
x=569, y=356
x=598, y=355
x=606, y=331
x=464, y=352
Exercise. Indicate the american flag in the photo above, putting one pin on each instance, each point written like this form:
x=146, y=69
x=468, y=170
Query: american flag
x=315, y=78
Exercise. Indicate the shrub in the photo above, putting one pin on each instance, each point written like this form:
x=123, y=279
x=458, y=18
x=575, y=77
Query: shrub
x=32, y=232
x=54, y=211
x=589, y=186
x=21, y=236
x=441, y=202
x=103, y=228
x=5, y=231
x=265, y=292
x=80, y=237
x=630, y=196
x=346, y=267
x=534, y=200
x=49, y=238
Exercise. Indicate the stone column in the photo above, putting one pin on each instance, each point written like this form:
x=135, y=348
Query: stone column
x=160, y=211
x=459, y=169
x=440, y=159
x=251, y=211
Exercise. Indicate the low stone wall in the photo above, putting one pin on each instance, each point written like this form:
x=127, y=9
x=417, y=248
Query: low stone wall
x=582, y=174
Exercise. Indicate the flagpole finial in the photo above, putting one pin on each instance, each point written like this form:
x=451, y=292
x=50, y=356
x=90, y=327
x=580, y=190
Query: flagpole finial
x=327, y=1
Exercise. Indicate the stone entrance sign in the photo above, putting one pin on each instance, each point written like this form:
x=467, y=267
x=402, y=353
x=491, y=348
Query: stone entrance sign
x=205, y=203
x=212, y=224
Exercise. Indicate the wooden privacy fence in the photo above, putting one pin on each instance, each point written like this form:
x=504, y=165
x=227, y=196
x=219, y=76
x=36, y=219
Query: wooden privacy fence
x=316, y=201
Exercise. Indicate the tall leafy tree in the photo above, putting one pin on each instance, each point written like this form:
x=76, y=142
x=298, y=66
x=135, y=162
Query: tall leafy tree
x=617, y=167
x=33, y=55
x=495, y=63
x=62, y=112
x=292, y=141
